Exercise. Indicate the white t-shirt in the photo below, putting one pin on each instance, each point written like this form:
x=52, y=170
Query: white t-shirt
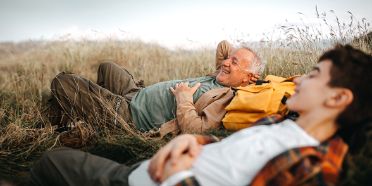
x=238, y=158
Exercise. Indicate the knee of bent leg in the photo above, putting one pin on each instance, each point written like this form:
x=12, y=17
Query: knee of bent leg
x=55, y=155
x=46, y=158
x=44, y=163
x=106, y=64
x=59, y=81
x=48, y=166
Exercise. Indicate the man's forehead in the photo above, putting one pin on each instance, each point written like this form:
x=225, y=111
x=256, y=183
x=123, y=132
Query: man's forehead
x=323, y=67
x=234, y=50
x=241, y=53
x=325, y=64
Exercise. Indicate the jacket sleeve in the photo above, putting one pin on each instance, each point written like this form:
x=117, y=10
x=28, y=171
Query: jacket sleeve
x=197, y=118
x=223, y=52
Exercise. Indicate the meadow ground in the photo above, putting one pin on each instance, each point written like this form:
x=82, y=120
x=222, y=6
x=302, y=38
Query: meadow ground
x=27, y=68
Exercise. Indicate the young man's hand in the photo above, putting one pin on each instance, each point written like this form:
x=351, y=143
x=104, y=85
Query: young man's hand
x=184, y=162
x=176, y=156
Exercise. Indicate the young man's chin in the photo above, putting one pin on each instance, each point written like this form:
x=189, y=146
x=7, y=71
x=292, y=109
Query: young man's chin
x=291, y=103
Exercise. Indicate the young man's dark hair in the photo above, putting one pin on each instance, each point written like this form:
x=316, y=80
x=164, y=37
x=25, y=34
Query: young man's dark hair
x=352, y=69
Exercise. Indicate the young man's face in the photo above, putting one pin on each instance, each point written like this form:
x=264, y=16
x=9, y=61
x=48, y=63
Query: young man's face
x=312, y=90
x=234, y=70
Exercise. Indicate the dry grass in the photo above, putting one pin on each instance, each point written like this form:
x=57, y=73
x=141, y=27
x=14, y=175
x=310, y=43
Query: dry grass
x=27, y=68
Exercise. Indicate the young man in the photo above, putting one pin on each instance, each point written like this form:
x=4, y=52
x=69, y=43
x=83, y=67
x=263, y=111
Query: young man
x=191, y=105
x=331, y=99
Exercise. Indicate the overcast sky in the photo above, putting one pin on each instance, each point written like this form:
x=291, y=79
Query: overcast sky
x=169, y=22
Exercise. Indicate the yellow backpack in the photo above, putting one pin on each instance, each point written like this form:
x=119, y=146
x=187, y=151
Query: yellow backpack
x=253, y=102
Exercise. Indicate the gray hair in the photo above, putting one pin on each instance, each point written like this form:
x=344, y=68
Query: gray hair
x=257, y=66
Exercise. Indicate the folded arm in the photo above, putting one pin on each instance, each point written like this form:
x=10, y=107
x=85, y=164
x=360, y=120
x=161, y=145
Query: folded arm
x=178, y=155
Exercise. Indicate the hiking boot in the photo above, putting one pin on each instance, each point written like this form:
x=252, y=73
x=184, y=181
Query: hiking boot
x=80, y=135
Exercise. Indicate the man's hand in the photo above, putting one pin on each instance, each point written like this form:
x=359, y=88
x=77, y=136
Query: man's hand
x=182, y=91
x=173, y=153
x=254, y=78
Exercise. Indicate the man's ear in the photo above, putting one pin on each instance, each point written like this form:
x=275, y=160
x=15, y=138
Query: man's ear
x=341, y=97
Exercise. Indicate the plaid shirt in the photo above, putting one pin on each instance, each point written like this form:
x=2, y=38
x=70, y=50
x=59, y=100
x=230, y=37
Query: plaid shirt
x=301, y=166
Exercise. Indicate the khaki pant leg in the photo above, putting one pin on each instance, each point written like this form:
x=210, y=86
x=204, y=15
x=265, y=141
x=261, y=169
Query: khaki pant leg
x=65, y=166
x=81, y=98
x=116, y=79
x=223, y=52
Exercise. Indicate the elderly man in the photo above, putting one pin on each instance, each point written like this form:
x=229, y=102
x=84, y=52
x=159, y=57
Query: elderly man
x=191, y=105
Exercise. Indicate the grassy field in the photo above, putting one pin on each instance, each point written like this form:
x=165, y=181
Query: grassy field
x=27, y=68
